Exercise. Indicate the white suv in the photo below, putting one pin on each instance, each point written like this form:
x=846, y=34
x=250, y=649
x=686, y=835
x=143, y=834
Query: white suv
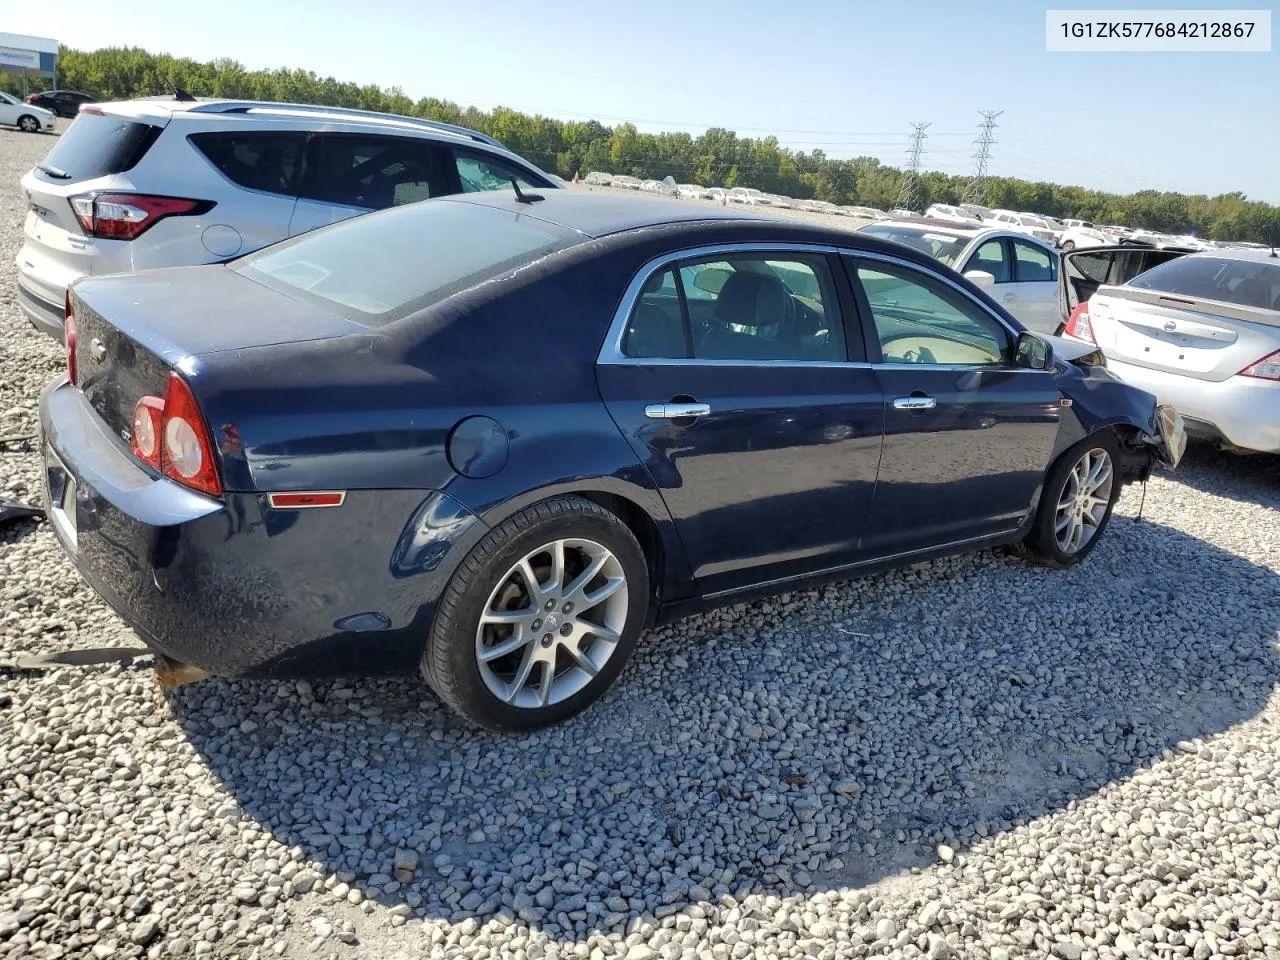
x=166, y=182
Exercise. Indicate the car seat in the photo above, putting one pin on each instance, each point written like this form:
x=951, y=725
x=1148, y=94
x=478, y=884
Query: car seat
x=754, y=318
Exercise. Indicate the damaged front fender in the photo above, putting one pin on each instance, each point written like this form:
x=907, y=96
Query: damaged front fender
x=1098, y=400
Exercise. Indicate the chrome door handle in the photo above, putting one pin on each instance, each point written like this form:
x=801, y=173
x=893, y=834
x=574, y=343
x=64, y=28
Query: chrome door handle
x=1010, y=296
x=914, y=403
x=674, y=411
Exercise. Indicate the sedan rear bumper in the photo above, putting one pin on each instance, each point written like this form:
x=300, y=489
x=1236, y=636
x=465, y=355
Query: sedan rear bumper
x=1245, y=411
x=238, y=589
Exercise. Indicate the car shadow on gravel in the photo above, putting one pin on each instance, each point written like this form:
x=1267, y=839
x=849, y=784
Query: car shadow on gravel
x=825, y=739
x=1246, y=477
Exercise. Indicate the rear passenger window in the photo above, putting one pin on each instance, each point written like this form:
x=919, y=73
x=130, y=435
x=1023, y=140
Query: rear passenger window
x=656, y=330
x=477, y=173
x=991, y=258
x=1033, y=263
x=269, y=162
x=739, y=308
x=371, y=172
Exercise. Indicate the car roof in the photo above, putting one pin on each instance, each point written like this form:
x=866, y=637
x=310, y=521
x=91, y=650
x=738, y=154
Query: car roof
x=935, y=225
x=598, y=214
x=1240, y=253
x=212, y=108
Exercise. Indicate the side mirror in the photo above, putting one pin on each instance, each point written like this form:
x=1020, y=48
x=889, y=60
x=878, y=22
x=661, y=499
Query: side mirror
x=1032, y=352
x=980, y=278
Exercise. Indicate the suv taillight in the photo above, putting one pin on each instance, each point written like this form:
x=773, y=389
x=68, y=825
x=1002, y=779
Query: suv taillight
x=126, y=216
x=69, y=338
x=1078, y=325
x=170, y=434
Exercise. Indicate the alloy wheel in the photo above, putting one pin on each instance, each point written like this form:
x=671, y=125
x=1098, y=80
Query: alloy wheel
x=552, y=623
x=28, y=125
x=1082, y=507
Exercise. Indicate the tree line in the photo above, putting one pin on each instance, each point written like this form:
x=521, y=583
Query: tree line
x=718, y=157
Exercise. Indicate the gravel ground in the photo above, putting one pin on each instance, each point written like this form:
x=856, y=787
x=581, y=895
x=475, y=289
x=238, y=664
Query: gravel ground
x=969, y=758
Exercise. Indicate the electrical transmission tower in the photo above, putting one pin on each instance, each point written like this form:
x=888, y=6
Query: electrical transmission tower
x=976, y=191
x=909, y=196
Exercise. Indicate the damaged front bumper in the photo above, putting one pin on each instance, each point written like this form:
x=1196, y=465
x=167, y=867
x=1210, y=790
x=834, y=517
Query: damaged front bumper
x=1170, y=435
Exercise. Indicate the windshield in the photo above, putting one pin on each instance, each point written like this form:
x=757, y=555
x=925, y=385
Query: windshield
x=1247, y=283
x=384, y=266
x=1033, y=222
x=941, y=246
x=7, y=98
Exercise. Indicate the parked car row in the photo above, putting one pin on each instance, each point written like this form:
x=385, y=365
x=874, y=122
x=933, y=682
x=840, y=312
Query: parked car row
x=748, y=196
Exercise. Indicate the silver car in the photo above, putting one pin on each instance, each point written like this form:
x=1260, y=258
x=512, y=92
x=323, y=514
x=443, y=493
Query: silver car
x=1200, y=331
x=169, y=182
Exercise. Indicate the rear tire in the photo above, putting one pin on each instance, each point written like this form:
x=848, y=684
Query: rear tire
x=1079, y=494
x=28, y=124
x=540, y=618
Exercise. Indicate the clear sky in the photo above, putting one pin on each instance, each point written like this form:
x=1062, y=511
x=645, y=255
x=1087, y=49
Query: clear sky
x=848, y=76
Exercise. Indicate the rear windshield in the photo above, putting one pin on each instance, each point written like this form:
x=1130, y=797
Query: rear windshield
x=1247, y=283
x=96, y=145
x=940, y=246
x=378, y=268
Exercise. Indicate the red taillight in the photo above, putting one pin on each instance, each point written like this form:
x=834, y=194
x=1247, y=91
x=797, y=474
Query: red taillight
x=32, y=97
x=1268, y=368
x=69, y=338
x=186, y=449
x=1078, y=325
x=171, y=436
x=126, y=216
x=148, y=420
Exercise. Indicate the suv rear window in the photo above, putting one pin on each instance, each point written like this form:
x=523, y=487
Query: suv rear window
x=264, y=161
x=1248, y=283
x=97, y=145
x=381, y=267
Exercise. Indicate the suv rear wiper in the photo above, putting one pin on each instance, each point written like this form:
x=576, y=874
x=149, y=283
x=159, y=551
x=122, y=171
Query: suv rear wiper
x=53, y=171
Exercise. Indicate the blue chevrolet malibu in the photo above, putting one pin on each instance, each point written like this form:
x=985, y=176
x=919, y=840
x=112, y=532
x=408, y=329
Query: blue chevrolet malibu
x=492, y=438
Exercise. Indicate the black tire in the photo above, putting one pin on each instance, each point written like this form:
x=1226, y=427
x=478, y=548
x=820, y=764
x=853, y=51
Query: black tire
x=1068, y=245
x=449, y=660
x=1041, y=544
x=28, y=124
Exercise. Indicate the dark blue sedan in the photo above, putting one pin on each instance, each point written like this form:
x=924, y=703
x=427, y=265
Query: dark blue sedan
x=493, y=438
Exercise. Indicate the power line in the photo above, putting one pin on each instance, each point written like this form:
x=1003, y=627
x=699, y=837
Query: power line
x=976, y=191
x=910, y=192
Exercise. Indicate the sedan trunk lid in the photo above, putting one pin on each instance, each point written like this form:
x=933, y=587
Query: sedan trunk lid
x=132, y=330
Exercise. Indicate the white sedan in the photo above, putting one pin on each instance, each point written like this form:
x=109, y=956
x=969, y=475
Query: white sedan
x=1020, y=272
x=1082, y=233
x=24, y=116
x=1200, y=331
x=1027, y=223
x=691, y=191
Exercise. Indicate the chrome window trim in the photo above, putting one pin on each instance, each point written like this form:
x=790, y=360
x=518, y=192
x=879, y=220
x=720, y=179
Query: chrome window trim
x=611, y=351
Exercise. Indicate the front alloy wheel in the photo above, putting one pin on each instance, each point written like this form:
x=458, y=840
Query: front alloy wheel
x=28, y=124
x=1079, y=494
x=1085, y=501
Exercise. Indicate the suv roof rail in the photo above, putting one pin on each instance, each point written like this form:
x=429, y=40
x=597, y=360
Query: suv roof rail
x=267, y=106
